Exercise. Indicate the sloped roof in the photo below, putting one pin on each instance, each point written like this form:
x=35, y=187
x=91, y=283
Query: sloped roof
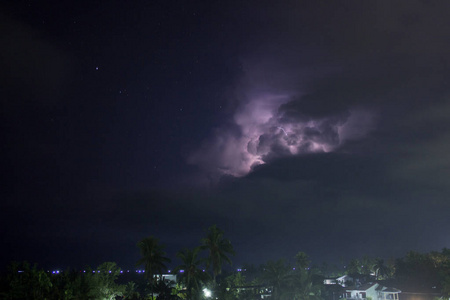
x=390, y=290
x=363, y=287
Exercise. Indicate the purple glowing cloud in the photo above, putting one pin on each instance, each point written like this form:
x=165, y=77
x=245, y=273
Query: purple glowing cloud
x=273, y=124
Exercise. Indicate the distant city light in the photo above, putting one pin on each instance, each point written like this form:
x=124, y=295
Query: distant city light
x=106, y=271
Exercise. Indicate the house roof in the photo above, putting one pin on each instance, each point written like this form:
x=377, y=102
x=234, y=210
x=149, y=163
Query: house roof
x=363, y=287
x=390, y=290
x=380, y=288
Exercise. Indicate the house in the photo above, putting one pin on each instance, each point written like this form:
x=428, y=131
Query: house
x=329, y=281
x=169, y=278
x=364, y=291
x=343, y=281
x=389, y=293
x=349, y=280
x=371, y=291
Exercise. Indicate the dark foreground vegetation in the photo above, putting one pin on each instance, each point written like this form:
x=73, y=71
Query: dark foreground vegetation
x=200, y=276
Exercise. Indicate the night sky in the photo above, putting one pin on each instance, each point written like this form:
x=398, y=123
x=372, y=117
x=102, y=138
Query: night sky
x=315, y=126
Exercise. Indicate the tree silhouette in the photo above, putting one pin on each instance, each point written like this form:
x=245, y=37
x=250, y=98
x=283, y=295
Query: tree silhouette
x=302, y=287
x=153, y=259
x=165, y=290
x=354, y=266
x=380, y=268
x=277, y=274
x=192, y=276
x=131, y=291
x=302, y=260
x=218, y=247
x=26, y=282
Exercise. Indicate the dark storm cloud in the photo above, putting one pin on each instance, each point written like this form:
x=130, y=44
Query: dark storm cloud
x=321, y=201
x=362, y=98
x=373, y=71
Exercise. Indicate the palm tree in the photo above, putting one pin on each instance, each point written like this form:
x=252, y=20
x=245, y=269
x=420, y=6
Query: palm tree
x=380, y=268
x=218, y=248
x=277, y=274
x=153, y=258
x=192, y=276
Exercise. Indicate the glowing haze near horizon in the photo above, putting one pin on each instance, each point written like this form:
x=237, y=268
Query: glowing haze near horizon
x=274, y=120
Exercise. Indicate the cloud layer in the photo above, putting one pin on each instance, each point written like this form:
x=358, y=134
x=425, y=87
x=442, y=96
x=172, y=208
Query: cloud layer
x=273, y=120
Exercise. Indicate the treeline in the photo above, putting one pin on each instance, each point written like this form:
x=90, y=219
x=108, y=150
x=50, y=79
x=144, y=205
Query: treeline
x=24, y=281
x=200, y=276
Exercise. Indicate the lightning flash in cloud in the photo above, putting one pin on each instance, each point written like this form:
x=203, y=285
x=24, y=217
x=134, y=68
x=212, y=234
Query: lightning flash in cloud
x=272, y=123
x=282, y=129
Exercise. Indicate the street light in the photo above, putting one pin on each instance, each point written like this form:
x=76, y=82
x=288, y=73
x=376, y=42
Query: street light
x=207, y=293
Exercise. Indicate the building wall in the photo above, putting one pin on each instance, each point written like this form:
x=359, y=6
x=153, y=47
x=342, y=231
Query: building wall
x=361, y=294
